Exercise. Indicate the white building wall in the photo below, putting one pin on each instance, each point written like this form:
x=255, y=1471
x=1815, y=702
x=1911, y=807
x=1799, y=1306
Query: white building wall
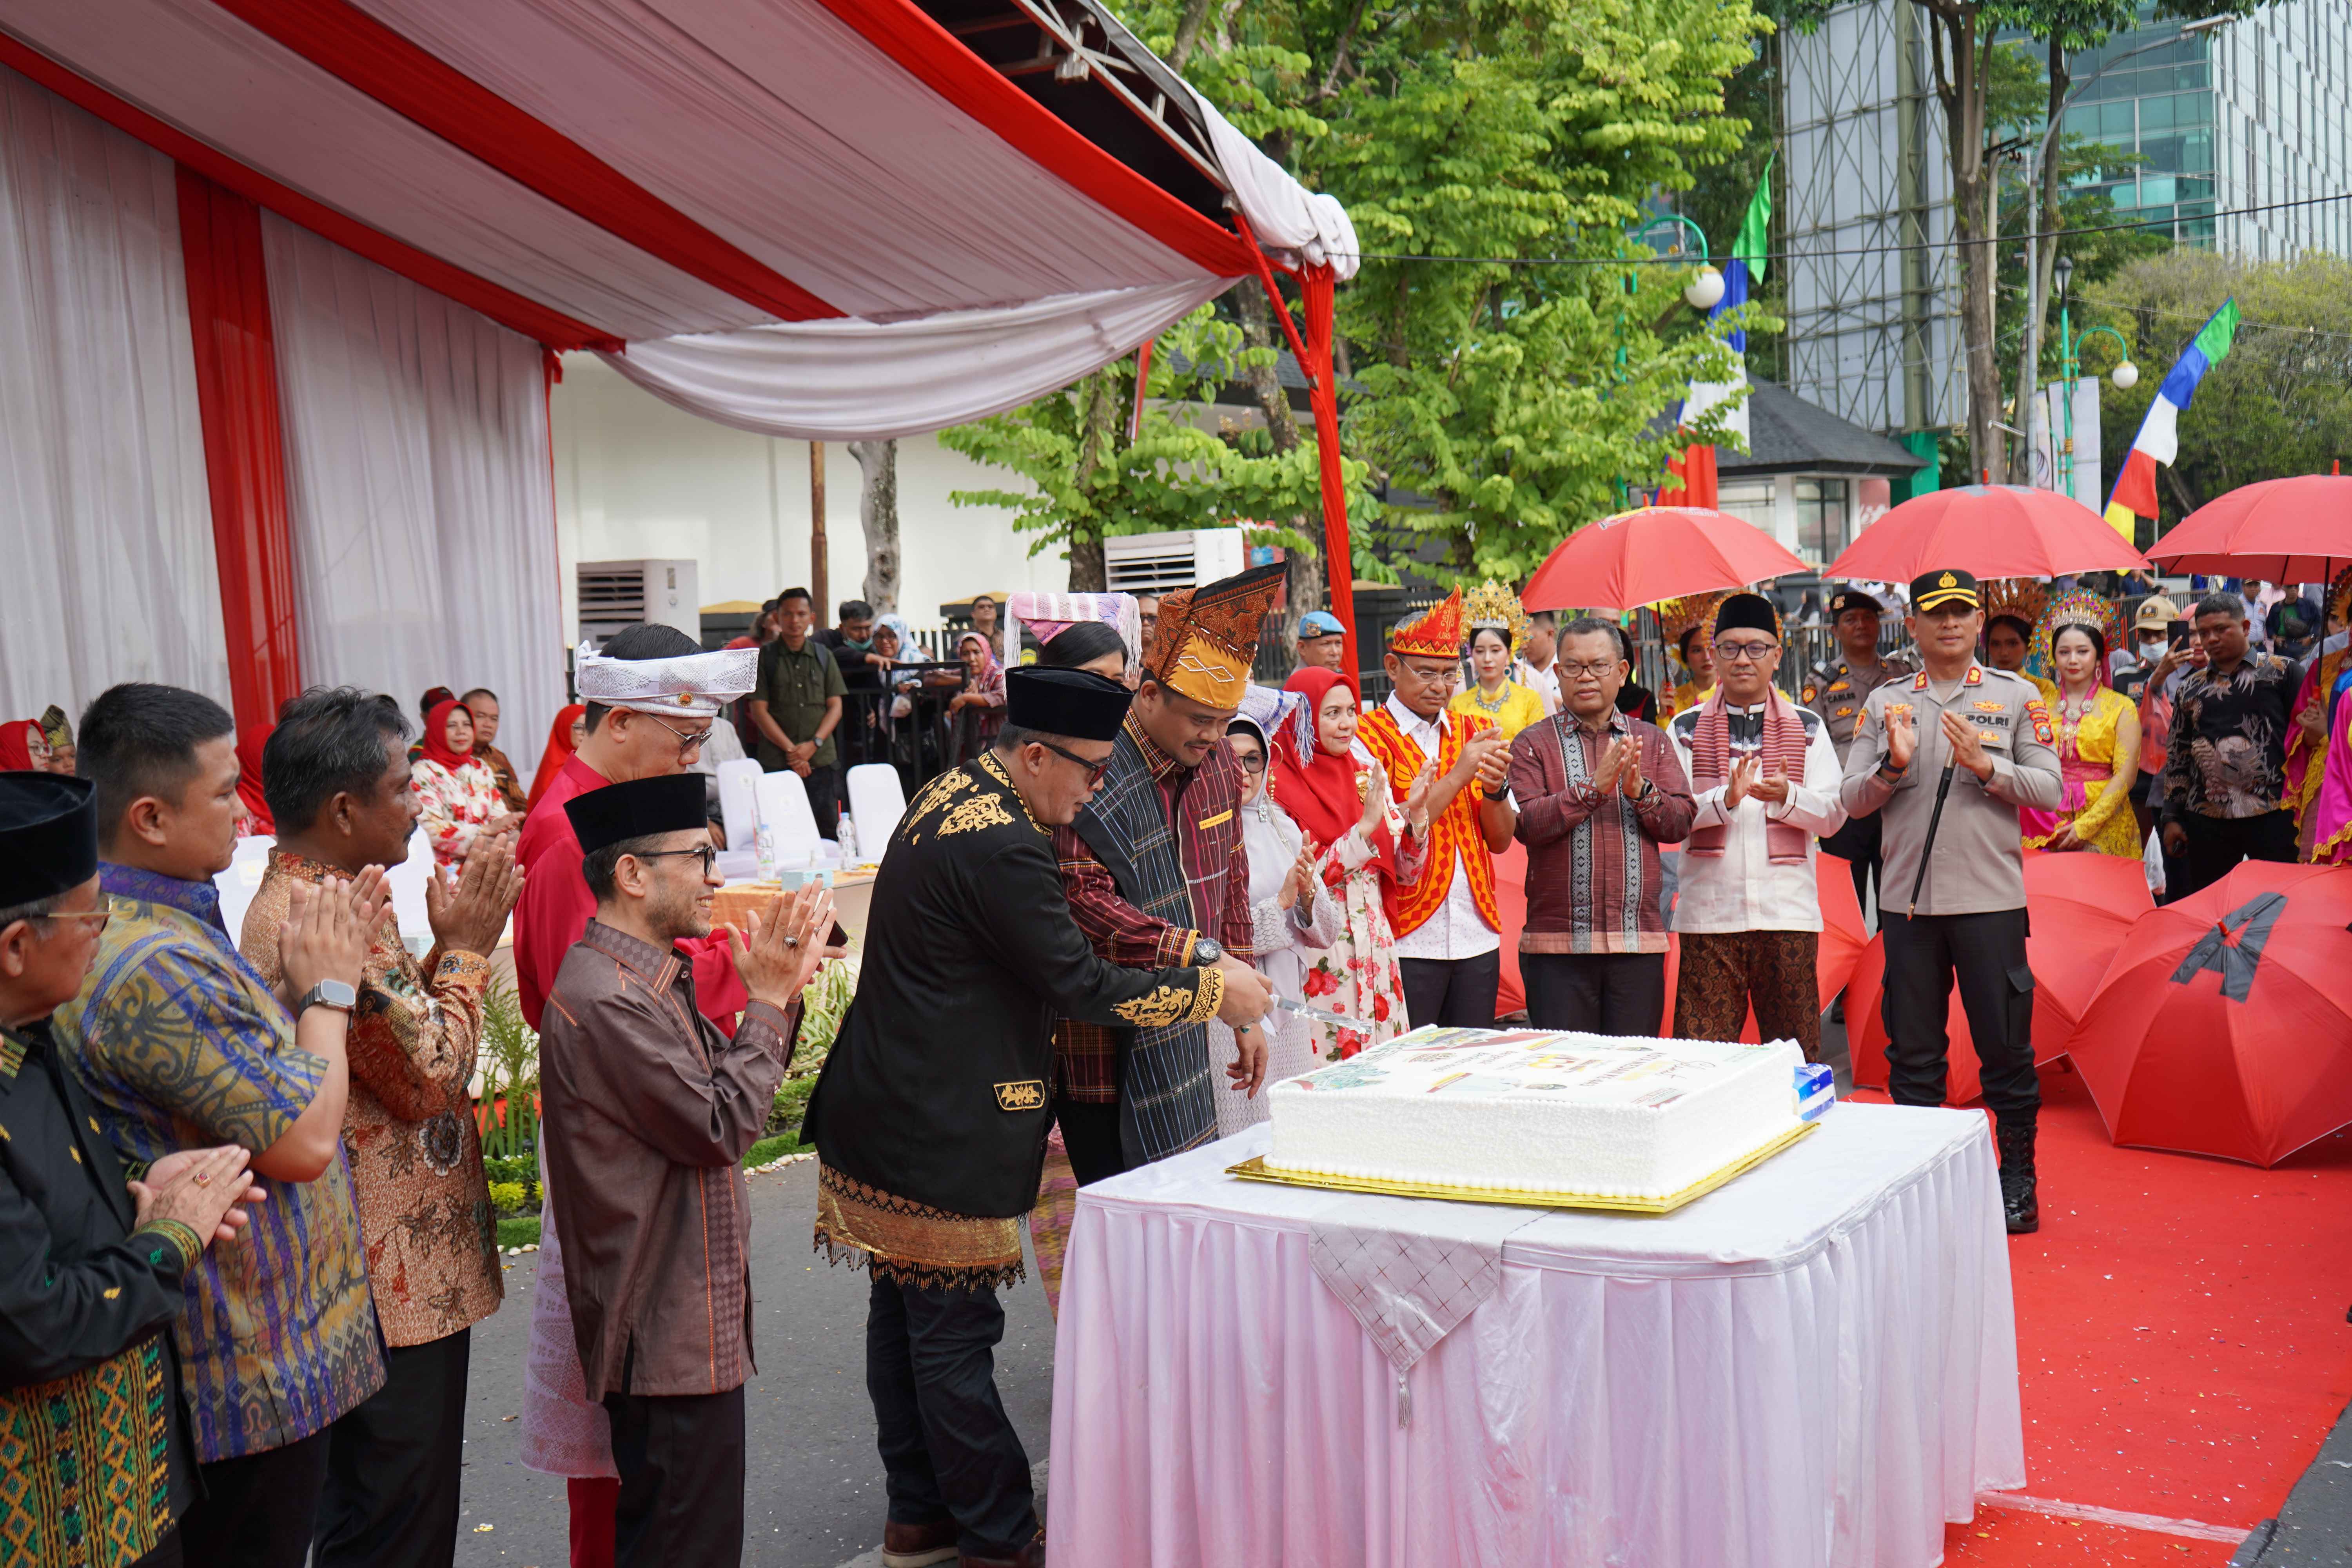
x=637, y=477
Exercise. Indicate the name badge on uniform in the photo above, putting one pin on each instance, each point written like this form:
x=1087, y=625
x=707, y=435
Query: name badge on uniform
x=1209, y=822
x=1027, y=1095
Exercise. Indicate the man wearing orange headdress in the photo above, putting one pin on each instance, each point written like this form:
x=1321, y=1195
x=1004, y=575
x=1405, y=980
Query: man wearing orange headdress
x=1157, y=878
x=1449, y=929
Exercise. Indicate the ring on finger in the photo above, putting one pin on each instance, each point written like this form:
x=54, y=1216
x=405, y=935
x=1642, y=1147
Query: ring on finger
x=204, y=1178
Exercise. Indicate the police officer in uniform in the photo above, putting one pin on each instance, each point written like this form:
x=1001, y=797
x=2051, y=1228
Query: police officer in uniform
x=1945, y=760
x=1836, y=688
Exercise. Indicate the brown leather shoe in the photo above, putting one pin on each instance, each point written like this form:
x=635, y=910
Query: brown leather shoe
x=1029, y=1556
x=917, y=1545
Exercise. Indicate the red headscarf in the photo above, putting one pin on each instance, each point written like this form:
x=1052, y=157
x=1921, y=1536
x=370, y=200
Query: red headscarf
x=558, y=752
x=437, y=735
x=1318, y=789
x=248, y=783
x=17, y=745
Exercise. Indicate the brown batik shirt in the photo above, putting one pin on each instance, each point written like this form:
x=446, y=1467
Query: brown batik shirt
x=649, y=1110
x=408, y=1128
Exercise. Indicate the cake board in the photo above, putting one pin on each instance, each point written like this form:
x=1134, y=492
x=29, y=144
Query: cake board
x=1257, y=1169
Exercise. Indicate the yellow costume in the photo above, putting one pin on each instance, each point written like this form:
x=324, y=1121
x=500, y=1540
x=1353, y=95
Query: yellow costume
x=2308, y=742
x=1493, y=607
x=1513, y=711
x=2098, y=746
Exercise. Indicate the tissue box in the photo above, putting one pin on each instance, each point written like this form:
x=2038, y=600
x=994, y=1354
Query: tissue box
x=1816, y=1091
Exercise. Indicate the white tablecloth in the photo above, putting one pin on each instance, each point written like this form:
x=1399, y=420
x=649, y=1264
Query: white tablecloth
x=1814, y=1365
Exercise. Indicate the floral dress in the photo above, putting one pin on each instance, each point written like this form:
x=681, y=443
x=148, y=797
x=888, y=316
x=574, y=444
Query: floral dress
x=1357, y=975
x=456, y=804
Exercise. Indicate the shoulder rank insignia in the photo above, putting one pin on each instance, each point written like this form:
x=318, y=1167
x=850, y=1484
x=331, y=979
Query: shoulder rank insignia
x=1027, y=1095
x=1919, y=682
x=2040, y=717
x=1975, y=676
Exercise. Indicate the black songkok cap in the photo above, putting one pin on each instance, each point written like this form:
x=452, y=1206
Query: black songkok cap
x=1747, y=612
x=1931, y=589
x=1074, y=702
x=1855, y=599
x=667, y=803
x=48, y=836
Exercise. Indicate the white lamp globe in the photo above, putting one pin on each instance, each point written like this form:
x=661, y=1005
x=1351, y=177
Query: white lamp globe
x=2125, y=375
x=1705, y=290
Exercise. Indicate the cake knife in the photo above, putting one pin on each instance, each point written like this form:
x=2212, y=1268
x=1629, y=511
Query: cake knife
x=1211, y=950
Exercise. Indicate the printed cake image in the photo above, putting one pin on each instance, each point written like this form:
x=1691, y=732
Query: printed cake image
x=1603, y=1115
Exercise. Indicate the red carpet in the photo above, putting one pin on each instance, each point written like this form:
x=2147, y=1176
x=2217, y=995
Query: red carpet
x=2181, y=1339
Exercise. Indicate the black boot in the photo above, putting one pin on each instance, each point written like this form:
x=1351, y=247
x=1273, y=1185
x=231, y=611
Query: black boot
x=2019, y=1203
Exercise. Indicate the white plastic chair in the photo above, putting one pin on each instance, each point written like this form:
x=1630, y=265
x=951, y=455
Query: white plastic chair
x=877, y=801
x=407, y=883
x=739, y=808
x=241, y=881
x=783, y=807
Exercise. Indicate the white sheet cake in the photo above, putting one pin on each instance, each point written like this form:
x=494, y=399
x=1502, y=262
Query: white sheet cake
x=1606, y=1115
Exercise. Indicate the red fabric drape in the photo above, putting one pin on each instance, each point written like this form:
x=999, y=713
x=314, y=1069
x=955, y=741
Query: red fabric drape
x=244, y=461
x=1694, y=470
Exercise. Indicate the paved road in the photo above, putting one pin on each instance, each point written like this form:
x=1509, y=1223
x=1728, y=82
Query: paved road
x=814, y=1492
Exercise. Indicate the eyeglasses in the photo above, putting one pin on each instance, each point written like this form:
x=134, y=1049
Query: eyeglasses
x=1599, y=669
x=687, y=746
x=101, y=916
x=1447, y=677
x=1745, y=652
x=1095, y=771
x=1251, y=762
x=707, y=854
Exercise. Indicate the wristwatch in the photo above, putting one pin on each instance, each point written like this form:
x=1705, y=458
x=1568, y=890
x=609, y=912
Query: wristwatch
x=333, y=993
x=1207, y=949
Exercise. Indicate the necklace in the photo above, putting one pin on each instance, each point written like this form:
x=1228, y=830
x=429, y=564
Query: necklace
x=1478, y=695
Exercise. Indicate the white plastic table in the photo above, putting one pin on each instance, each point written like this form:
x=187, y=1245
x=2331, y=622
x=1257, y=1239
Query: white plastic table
x=1815, y=1365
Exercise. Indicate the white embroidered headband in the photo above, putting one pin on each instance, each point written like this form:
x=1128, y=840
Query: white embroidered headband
x=694, y=685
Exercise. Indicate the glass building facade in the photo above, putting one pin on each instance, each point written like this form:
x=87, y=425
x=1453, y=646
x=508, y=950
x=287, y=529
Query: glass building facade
x=2162, y=106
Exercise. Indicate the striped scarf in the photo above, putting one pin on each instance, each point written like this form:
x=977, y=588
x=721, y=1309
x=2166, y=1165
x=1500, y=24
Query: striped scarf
x=1783, y=753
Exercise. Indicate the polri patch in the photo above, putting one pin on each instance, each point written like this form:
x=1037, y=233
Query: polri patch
x=2040, y=717
x=1027, y=1095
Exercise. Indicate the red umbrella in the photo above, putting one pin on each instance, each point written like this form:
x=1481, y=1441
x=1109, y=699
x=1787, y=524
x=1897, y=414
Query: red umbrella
x=2294, y=530
x=1653, y=554
x=2080, y=906
x=2224, y=1026
x=1993, y=531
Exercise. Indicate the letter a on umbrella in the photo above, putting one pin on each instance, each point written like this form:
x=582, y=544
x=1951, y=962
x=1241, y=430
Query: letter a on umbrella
x=2224, y=1025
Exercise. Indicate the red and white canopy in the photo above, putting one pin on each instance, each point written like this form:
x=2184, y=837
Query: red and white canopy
x=812, y=217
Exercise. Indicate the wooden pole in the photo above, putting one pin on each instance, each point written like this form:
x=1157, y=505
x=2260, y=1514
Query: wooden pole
x=820, y=590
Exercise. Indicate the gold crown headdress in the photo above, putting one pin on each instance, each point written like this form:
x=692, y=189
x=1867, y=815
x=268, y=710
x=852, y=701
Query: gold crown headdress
x=2019, y=597
x=2077, y=609
x=1492, y=606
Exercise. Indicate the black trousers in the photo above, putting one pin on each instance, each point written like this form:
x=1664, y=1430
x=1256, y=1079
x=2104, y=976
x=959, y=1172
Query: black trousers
x=2216, y=844
x=393, y=1463
x=1090, y=1137
x=948, y=1449
x=681, y=1461
x=1598, y=992
x=1857, y=844
x=1986, y=953
x=823, y=785
x=1458, y=992
x=258, y=1509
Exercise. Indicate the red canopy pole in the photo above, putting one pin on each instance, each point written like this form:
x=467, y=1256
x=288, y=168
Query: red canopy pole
x=1317, y=284
x=236, y=401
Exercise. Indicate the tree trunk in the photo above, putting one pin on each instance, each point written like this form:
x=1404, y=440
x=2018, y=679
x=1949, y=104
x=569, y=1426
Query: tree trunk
x=877, y=515
x=1098, y=437
x=1954, y=46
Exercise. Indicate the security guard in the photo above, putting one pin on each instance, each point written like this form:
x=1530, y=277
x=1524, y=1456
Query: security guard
x=1946, y=758
x=1836, y=689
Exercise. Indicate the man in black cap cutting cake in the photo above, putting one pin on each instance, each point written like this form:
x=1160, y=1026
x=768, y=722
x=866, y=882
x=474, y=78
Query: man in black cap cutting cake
x=1944, y=760
x=91, y=1268
x=931, y=1115
x=649, y=1109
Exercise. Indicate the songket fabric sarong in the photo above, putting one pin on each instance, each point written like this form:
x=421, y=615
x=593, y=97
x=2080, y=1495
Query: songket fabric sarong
x=909, y=1243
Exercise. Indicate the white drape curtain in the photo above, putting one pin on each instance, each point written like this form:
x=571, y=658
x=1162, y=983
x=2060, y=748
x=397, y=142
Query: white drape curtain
x=416, y=467
x=873, y=381
x=106, y=544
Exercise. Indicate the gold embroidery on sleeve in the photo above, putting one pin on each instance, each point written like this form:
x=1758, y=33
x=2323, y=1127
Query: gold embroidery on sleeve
x=1164, y=1006
x=980, y=811
x=1208, y=997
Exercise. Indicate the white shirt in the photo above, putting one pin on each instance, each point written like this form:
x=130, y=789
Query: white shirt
x=1544, y=683
x=1742, y=890
x=1457, y=929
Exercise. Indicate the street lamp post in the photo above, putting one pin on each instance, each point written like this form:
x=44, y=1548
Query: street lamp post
x=2070, y=369
x=2030, y=366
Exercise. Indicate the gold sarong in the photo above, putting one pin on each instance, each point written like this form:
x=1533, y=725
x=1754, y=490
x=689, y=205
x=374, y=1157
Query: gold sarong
x=909, y=1243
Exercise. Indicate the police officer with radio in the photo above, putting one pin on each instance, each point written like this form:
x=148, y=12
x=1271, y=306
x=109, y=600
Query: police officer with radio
x=1836, y=688
x=1945, y=760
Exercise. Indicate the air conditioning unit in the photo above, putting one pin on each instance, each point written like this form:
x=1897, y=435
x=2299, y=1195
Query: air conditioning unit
x=617, y=594
x=1162, y=562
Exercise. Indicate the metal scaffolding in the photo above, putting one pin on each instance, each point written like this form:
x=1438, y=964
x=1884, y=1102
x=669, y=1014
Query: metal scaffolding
x=1874, y=337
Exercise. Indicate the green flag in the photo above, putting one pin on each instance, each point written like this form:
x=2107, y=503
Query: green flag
x=1754, y=243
